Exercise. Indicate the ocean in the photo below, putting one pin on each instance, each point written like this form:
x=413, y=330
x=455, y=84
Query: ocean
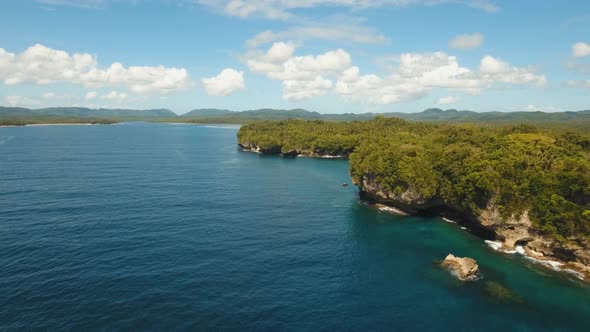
x=140, y=226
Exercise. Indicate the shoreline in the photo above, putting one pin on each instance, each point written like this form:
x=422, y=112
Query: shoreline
x=51, y=124
x=551, y=263
x=571, y=268
x=292, y=154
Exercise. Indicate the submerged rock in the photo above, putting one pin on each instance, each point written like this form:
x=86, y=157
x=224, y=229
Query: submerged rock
x=499, y=292
x=463, y=268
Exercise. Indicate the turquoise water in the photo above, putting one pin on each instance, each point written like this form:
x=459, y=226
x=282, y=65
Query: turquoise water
x=171, y=227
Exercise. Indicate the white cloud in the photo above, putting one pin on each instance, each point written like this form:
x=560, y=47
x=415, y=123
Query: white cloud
x=228, y=81
x=496, y=70
x=48, y=95
x=548, y=109
x=468, y=41
x=376, y=90
x=91, y=95
x=304, y=89
x=114, y=96
x=21, y=101
x=42, y=65
x=449, y=100
x=583, y=84
x=302, y=76
x=416, y=75
x=281, y=9
x=340, y=32
x=580, y=50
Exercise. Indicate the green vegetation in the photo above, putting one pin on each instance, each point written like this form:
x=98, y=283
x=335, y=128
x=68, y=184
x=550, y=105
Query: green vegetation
x=579, y=120
x=22, y=121
x=518, y=168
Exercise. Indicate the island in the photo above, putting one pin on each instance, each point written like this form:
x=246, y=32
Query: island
x=523, y=188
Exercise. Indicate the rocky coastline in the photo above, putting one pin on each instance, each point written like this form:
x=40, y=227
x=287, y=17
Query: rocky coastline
x=463, y=268
x=277, y=150
x=513, y=235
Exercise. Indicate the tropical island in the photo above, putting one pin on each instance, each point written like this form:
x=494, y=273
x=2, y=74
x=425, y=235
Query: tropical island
x=525, y=187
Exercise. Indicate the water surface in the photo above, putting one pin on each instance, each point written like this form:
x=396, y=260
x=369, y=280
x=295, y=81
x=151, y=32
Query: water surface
x=155, y=227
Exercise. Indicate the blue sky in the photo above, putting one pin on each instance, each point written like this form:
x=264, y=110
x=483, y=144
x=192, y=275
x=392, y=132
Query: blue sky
x=330, y=56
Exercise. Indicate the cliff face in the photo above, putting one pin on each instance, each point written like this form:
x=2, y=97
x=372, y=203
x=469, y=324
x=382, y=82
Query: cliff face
x=253, y=147
x=510, y=232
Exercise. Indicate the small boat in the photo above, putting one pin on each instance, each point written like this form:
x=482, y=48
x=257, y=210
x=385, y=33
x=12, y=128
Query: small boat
x=345, y=184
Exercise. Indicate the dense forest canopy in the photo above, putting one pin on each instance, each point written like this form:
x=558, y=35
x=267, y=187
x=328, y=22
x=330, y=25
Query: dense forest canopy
x=519, y=168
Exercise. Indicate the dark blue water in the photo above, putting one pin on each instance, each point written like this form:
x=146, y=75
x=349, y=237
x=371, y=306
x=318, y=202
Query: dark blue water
x=171, y=227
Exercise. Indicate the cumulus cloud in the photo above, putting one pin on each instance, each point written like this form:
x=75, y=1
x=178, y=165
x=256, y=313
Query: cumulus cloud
x=91, y=95
x=420, y=73
x=42, y=65
x=497, y=70
x=21, y=101
x=302, y=76
x=281, y=9
x=114, y=96
x=449, y=100
x=466, y=42
x=416, y=75
x=580, y=50
x=340, y=32
x=304, y=89
x=228, y=81
x=548, y=109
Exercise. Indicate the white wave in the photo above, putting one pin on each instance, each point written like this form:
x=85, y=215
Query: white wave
x=463, y=227
x=554, y=265
x=494, y=244
x=392, y=210
x=577, y=274
x=5, y=139
x=449, y=220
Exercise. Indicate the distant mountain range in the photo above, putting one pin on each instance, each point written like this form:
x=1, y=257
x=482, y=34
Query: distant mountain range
x=82, y=112
x=227, y=116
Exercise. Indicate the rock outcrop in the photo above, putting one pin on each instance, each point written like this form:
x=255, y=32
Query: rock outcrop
x=515, y=233
x=278, y=150
x=255, y=148
x=463, y=268
x=409, y=201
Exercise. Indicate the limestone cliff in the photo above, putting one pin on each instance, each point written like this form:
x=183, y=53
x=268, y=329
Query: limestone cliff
x=276, y=149
x=510, y=232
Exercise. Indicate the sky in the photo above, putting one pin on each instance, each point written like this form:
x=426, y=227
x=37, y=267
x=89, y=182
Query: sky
x=329, y=56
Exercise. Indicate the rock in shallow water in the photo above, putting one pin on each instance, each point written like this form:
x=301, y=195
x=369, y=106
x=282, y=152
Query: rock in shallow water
x=464, y=268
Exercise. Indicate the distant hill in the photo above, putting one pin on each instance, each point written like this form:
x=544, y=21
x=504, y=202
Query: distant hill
x=579, y=119
x=431, y=114
x=207, y=112
x=83, y=112
x=259, y=114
